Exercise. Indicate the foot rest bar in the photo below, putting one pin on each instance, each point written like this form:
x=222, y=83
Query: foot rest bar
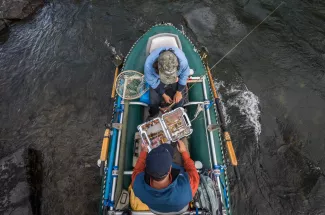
x=139, y=103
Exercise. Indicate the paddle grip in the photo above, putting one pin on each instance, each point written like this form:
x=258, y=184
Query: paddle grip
x=230, y=149
x=103, y=154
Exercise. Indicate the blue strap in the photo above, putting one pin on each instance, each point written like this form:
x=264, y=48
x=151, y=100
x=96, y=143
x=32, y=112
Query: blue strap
x=119, y=110
x=108, y=203
x=111, y=203
x=114, y=171
x=207, y=106
x=218, y=169
x=224, y=193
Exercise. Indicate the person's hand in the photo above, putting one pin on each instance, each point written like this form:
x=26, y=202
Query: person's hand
x=178, y=96
x=167, y=99
x=144, y=147
x=181, y=146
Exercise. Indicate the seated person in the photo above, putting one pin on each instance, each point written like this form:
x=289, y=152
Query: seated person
x=165, y=190
x=166, y=71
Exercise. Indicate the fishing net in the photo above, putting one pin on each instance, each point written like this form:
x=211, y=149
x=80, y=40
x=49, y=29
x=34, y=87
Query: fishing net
x=130, y=85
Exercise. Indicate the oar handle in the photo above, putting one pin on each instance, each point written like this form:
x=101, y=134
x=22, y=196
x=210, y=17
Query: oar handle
x=230, y=149
x=114, y=83
x=104, y=152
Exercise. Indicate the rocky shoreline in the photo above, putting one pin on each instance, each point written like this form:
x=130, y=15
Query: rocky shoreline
x=16, y=10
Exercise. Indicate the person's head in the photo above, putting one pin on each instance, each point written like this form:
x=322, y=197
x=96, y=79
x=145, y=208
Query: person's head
x=159, y=162
x=168, y=67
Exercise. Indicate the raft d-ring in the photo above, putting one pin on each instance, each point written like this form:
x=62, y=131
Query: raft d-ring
x=208, y=104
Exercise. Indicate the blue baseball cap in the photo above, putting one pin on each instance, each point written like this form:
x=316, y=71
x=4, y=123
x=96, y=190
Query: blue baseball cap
x=159, y=161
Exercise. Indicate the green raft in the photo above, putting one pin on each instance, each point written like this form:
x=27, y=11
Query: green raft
x=204, y=145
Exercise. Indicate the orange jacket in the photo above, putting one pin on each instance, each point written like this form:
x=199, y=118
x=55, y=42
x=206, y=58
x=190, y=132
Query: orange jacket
x=188, y=166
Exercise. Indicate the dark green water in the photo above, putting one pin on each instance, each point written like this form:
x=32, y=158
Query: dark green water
x=55, y=84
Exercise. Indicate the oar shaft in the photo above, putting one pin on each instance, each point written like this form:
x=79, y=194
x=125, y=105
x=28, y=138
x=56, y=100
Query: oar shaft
x=114, y=83
x=220, y=113
x=215, y=94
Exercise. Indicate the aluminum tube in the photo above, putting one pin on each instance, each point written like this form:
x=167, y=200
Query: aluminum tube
x=139, y=103
x=192, y=103
x=116, y=158
x=214, y=156
x=128, y=172
x=212, y=146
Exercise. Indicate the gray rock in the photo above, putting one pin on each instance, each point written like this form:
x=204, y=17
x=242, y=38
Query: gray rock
x=14, y=186
x=20, y=182
x=202, y=21
x=12, y=10
x=18, y=9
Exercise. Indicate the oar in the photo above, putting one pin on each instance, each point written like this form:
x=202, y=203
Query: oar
x=226, y=135
x=103, y=154
x=117, y=60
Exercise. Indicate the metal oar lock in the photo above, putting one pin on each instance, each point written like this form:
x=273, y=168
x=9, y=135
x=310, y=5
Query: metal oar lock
x=117, y=126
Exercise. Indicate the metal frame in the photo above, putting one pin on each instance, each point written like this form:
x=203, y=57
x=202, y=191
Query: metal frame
x=139, y=103
x=213, y=148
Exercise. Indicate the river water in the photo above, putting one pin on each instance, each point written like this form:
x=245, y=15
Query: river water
x=56, y=77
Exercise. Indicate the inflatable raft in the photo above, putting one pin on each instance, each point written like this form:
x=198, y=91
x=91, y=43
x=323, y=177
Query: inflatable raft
x=205, y=143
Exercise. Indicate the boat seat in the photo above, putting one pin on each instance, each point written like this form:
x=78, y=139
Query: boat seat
x=163, y=40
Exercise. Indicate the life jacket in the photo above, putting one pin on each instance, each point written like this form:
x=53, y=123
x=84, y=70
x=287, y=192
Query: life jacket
x=170, y=199
x=135, y=203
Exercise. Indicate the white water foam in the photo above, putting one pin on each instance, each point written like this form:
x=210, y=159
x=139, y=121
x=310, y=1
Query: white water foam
x=247, y=103
x=110, y=47
x=218, y=85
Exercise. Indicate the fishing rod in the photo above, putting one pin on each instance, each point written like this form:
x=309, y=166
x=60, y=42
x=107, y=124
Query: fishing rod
x=223, y=125
x=247, y=35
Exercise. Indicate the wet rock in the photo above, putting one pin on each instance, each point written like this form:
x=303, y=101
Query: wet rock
x=202, y=21
x=14, y=190
x=21, y=182
x=13, y=10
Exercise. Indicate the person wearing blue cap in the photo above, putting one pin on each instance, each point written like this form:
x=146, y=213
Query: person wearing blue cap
x=164, y=189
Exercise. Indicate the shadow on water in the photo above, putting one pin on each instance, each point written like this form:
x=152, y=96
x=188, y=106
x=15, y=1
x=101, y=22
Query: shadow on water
x=4, y=35
x=35, y=179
